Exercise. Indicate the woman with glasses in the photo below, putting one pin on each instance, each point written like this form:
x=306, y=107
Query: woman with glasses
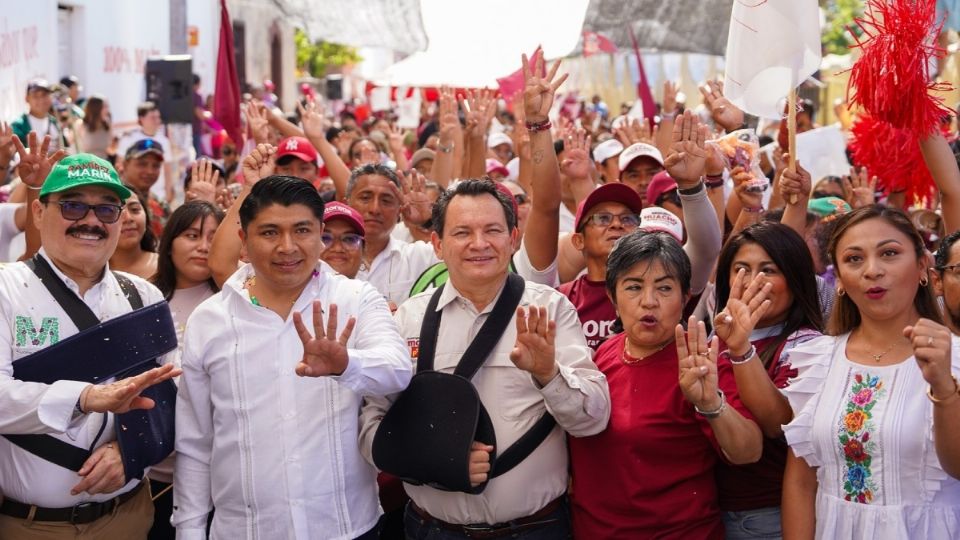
x=675, y=412
x=342, y=239
x=136, y=251
x=875, y=436
x=184, y=278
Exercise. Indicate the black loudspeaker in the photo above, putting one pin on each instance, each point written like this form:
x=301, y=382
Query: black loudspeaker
x=170, y=86
x=334, y=87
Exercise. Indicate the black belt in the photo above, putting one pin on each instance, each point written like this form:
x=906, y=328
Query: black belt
x=78, y=515
x=480, y=531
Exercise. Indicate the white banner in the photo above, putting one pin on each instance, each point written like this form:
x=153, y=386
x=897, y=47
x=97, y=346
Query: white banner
x=25, y=53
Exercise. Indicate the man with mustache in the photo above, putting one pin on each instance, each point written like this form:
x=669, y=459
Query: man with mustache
x=78, y=214
x=945, y=278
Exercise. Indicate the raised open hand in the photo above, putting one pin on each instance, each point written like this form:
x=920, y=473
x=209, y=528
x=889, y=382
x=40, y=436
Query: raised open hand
x=724, y=113
x=748, y=303
x=395, y=139
x=36, y=163
x=203, y=181
x=323, y=352
x=415, y=204
x=698, y=365
x=6, y=140
x=258, y=164
x=688, y=153
x=449, y=121
x=576, y=162
x=312, y=120
x=861, y=188
x=535, y=350
x=670, y=92
x=539, y=91
x=478, y=109
x=257, y=120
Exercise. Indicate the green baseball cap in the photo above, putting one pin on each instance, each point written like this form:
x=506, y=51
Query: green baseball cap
x=84, y=170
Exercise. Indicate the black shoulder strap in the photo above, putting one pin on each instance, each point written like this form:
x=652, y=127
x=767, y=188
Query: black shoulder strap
x=485, y=340
x=129, y=290
x=79, y=312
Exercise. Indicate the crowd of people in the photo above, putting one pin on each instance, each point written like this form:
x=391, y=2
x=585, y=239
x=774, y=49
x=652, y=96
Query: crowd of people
x=502, y=324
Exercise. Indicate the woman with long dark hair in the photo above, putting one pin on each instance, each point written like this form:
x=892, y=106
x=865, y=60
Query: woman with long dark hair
x=136, y=251
x=184, y=278
x=767, y=304
x=875, y=438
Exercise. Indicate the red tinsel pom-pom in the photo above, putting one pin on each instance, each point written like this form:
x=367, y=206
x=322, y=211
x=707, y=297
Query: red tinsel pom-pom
x=893, y=156
x=891, y=79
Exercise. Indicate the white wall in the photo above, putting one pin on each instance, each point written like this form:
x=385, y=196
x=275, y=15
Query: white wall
x=204, y=15
x=261, y=20
x=25, y=52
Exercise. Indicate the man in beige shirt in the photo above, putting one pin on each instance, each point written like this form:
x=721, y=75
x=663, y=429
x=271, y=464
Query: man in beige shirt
x=541, y=363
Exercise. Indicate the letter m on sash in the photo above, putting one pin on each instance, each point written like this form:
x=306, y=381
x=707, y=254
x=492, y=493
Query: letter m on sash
x=28, y=334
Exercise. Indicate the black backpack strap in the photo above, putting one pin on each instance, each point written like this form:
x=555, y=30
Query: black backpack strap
x=79, y=312
x=129, y=290
x=429, y=329
x=524, y=446
x=52, y=449
x=493, y=328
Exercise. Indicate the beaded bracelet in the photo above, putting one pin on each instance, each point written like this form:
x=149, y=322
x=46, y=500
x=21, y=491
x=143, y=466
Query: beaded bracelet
x=535, y=127
x=742, y=359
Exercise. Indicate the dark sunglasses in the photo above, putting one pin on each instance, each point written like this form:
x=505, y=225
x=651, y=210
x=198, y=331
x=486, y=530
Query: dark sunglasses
x=75, y=211
x=146, y=144
x=350, y=241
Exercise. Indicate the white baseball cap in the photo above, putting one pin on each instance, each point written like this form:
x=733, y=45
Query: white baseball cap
x=606, y=150
x=655, y=218
x=639, y=150
x=499, y=138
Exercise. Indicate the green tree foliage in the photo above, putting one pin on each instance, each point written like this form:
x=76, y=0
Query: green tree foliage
x=315, y=57
x=840, y=15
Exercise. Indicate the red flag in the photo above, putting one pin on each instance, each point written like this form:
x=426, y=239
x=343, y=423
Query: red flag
x=512, y=85
x=594, y=43
x=226, y=97
x=643, y=87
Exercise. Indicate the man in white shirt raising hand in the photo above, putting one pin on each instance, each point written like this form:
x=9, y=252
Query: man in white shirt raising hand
x=267, y=415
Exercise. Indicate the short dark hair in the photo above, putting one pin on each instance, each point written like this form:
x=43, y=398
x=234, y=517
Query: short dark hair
x=282, y=190
x=196, y=79
x=370, y=169
x=641, y=246
x=942, y=256
x=145, y=108
x=474, y=187
x=180, y=220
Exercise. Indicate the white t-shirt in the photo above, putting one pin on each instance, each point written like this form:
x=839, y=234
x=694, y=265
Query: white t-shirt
x=131, y=137
x=10, y=235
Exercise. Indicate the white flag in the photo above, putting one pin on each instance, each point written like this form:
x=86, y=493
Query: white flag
x=773, y=46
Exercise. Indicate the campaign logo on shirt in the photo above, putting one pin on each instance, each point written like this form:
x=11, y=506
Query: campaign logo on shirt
x=414, y=344
x=29, y=335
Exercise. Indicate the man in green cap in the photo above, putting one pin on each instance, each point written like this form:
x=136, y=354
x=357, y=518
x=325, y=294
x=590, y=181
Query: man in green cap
x=78, y=214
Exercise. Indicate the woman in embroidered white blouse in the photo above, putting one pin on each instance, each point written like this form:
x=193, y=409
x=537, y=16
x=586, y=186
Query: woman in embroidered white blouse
x=875, y=438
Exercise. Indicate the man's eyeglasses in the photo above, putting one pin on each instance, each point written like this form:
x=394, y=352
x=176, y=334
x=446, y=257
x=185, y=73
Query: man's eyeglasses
x=953, y=269
x=350, y=241
x=521, y=199
x=75, y=211
x=604, y=219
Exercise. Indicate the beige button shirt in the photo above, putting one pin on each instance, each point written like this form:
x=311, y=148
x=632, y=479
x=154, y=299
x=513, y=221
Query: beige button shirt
x=578, y=398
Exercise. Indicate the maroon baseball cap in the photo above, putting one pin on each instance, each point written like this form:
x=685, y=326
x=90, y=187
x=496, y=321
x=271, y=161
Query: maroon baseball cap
x=298, y=147
x=338, y=210
x=506, y=191
x=661, y=183
x=612, y=192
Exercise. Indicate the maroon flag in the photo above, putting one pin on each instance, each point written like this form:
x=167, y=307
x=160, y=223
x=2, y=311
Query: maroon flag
x=643, y=87
x=226, y=97
x=594, y=43
x=512, y=85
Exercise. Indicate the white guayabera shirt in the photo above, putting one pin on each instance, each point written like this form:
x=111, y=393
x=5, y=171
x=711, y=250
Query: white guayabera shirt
x=274, y=453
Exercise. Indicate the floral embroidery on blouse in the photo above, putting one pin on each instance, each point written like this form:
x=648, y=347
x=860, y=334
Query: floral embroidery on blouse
x=856, y=444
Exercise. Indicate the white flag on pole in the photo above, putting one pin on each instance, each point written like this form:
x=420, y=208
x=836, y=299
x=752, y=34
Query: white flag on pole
x=773, y=46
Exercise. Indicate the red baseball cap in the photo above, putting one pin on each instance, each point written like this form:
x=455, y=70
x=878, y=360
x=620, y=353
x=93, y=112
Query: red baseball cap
x=661, y=183
x=338, y=210
x=612, y=192
x=298, y=147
